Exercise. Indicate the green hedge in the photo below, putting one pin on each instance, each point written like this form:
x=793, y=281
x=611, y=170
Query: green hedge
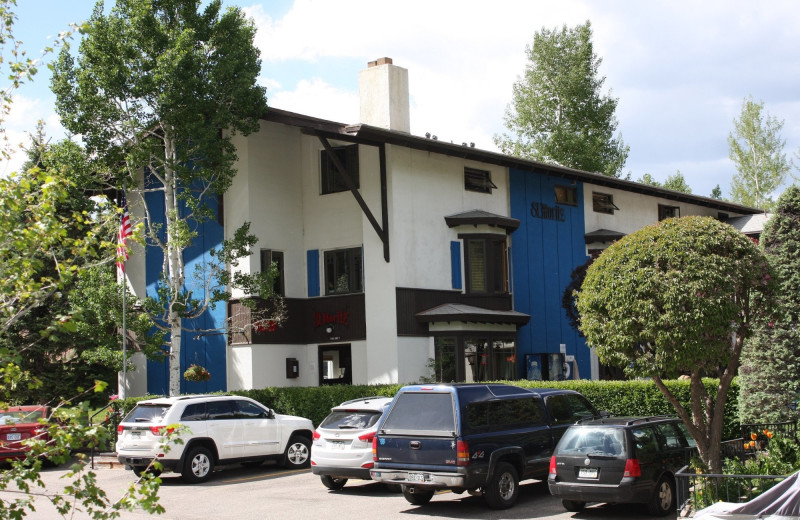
x=616, y=397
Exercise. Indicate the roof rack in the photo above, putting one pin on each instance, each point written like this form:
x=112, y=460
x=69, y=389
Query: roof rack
x=365, y=399
x=649, y=419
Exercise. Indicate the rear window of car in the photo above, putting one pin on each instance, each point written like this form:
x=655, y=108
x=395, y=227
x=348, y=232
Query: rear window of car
x=147, y=413
x=422, y=411
x=599, y=440
x=351, y=420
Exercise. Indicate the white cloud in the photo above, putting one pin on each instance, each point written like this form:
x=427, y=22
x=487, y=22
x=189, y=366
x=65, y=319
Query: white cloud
x=319, y=99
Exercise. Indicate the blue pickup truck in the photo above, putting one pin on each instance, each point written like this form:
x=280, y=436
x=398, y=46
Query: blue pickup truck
x=480, y=438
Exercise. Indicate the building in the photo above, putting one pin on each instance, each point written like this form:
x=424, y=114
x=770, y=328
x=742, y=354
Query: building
x=404, y=257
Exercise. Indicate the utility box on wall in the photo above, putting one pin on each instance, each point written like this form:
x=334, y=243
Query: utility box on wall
x=292, y=368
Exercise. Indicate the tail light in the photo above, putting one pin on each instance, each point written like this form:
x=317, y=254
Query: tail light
x=367, y=437
x=316, y=435
x=553, y=470
x=462, y=457
x=632, y=468
x=375, y=449
x=119, y=428
x=161, y=430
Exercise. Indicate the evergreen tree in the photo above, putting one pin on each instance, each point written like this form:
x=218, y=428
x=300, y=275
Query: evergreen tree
x=769, y=379
x=558, y=113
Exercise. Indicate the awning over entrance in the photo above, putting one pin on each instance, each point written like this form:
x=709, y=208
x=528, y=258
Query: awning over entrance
x=467, y=313
x=603, y=235
x=478, y=216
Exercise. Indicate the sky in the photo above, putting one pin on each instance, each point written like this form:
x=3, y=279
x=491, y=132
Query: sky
x=679, y=69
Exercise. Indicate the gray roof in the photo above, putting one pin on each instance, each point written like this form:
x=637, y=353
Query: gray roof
x=750, y=224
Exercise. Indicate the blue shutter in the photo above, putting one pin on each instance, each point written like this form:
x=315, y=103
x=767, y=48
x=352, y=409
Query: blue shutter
x=312, y=265
x=455, y=263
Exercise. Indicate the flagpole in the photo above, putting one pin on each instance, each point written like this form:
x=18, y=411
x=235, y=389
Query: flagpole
x=122, y=391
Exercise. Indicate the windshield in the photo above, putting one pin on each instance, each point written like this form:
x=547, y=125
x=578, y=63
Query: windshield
x=352, y=420
x=422, y=412
x=590, y=440
x=147, y=413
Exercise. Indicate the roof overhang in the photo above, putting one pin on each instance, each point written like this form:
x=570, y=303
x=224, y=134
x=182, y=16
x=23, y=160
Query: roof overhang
x=477, y=217
x=456, y=312
x=603, y=235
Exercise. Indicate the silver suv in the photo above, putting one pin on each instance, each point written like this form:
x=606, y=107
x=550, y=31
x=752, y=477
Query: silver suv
x=220, y=429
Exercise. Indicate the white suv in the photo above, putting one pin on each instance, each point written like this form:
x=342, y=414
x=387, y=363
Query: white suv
x=342, y=446
x=220, y=429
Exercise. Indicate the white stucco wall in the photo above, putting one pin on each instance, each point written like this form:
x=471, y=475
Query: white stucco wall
x=635, y=210
x=425, y=188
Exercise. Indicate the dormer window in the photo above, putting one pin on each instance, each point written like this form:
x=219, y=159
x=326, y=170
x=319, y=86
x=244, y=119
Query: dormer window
x=478, y=180
x=603, y=203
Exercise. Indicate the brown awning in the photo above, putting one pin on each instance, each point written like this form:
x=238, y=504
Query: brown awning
x=468, y=313
x=478, y=216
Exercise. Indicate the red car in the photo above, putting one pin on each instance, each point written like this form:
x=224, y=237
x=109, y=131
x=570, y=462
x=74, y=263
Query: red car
x=17, y=424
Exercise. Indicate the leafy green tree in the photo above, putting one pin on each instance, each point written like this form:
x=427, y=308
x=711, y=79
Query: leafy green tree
x=674, y=182
x=558, y=113
x=649, y=180
x=677, y=182
x=43, y=249
x=675, y=298
x=756, y=148
x=162, y=88
x=716, y=193
x=768, y=379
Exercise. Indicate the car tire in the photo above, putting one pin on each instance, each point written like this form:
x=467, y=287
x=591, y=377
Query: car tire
x=333, y=483
x=663, y=499
x=503, y=488
x=417, y=496
x=573, y=506
x=298, y=453
x=198, y=465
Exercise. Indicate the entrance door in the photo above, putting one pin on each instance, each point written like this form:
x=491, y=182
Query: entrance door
x=335, y=365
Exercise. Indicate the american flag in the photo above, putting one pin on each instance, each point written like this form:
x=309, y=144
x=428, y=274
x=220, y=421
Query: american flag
x=124, y=233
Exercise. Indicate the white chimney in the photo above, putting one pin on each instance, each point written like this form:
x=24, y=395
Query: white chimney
x=383, y=91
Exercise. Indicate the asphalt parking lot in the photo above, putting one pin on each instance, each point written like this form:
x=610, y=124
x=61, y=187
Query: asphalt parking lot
x=271, y=492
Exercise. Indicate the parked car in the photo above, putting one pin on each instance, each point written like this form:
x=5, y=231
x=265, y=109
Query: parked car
x=221, y=429
x=621, y=459
x=19, y=424
x=481, y=438
x=342, y=447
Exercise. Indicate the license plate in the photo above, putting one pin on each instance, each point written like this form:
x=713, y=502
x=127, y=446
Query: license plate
x=336, y=445
x=587, y=473
x=136, y=434
x=416, y=477
x=13, y=436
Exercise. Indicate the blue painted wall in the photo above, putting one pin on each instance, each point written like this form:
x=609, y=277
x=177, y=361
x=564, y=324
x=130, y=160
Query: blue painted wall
x=208, y=351
x=546, y=248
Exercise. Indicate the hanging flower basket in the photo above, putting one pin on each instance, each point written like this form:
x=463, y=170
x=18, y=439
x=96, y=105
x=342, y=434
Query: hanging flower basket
x=196, y=373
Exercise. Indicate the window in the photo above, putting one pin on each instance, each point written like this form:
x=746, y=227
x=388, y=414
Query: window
x=478, y=180
x=194, y=412
x=566, y=195
x=487, y=265
x=343, y=271
x=268, y=257
x=665, y=212
x=331, y=180
x=603, y=203
x=444, y=361
x=248, y=410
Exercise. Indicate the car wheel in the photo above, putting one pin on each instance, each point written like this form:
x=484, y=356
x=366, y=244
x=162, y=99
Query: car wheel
x=298, y=453
x=198, y=466
x=333, y=483
x=573, y=506
x=503, y=488
x=663, y=500
x=417, y=496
